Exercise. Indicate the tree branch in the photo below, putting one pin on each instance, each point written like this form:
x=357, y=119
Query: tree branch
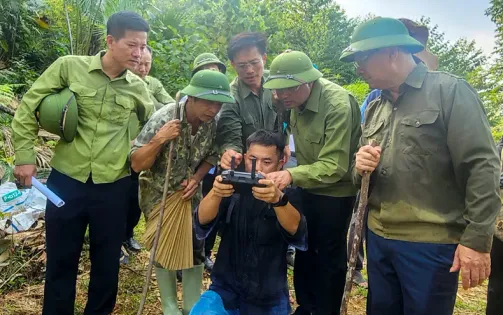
x=7, y=109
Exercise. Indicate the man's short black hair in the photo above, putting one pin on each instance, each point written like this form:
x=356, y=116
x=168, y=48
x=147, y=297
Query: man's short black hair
x=123, y=21
x=267, y=138
x=247, y=40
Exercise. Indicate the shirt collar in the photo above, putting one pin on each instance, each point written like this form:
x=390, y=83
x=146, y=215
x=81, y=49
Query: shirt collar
x=96, y=64
x=415, y=80
x=313, y=102
x=244, y=90
x=417, y=76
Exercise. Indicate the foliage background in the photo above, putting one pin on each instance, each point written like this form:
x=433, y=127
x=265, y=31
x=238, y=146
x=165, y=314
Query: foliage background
x=33, y=33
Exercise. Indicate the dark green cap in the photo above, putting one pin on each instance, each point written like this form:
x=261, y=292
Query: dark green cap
x=209, y=85
x=291, y=69
x=206, y=59
x=380, y=33
x=58, y=114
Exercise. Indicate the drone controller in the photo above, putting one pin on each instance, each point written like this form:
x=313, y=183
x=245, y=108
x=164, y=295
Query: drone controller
x=242, y=179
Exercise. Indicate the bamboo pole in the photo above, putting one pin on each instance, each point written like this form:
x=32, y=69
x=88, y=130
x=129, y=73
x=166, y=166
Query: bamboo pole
x=161, y=216
x=69, y=27
x=360, y=217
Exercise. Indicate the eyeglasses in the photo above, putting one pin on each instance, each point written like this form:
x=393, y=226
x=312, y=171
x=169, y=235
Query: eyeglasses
x=244, y=65
x=363, y=59
x=288, y=91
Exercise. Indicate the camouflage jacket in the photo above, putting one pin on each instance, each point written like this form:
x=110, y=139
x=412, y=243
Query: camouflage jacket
x=187, y=155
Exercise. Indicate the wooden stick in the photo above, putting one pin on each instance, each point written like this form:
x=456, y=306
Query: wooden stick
x=161, y=215
x=360, y=217
x=7, y=110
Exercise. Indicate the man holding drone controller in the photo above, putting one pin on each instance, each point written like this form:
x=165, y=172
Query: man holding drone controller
x=259, y=223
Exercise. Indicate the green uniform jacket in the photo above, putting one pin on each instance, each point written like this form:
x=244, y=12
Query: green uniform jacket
x=102, y=143
x=437, y=181
x=326, y=136
x=249, y=114
x=187, y=155
x=160, y=98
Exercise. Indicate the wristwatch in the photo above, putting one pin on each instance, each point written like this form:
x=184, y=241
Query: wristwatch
x=283, y=201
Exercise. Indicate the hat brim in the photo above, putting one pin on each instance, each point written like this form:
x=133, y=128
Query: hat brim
x=406, y=42
x=310, y=75
x=200, y=93
x=220, y=65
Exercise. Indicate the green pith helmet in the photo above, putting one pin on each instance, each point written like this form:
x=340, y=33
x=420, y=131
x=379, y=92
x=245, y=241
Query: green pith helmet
x=58, y=114
x=290, y=69
x=209, y=85
x=206, y=59
x=380, y=33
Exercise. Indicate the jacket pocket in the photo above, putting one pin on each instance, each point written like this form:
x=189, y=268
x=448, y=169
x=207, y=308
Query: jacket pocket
x=121, y=109
x=419, y=134
x=83, y=94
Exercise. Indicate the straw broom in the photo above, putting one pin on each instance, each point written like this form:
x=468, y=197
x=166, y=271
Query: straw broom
x=360, y=216
x=161, y=215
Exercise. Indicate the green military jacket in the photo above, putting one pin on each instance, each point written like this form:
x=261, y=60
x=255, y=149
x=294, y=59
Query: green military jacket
x=102, y=143
x=250, y=113
x=160, y=98
x=187, y=155
x=437, y=181
x=326, y=134
x=159, y=94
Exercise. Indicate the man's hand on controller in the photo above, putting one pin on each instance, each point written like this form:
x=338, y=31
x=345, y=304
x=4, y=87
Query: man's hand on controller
x=270, y=193
x=225, y=161
x=220, y=189
x=281, y=179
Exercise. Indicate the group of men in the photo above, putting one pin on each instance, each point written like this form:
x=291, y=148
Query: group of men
x=434, y=186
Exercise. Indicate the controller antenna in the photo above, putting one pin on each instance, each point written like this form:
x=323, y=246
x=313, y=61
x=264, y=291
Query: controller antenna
x=254, y=167
x=233, y=165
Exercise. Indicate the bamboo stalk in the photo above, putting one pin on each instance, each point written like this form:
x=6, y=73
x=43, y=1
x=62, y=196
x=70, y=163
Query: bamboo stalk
x=69, y=27
x=360, y=216
x=161, y=215
x=7, y=110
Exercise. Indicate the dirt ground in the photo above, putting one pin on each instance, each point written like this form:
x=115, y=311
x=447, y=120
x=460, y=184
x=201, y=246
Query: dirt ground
x=26, y=299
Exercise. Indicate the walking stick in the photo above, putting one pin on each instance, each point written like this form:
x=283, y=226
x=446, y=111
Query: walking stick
x=161, y=215
x=360, y=216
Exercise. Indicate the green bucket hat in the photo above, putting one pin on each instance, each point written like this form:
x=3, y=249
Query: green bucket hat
x=58, y=114
x=209, y=85
x=380, y=33
x=206, y=59
x=290, y=69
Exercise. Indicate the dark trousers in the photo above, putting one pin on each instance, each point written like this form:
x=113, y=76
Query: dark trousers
x=134, y=213
x=407, y=278
x=320, y=272
x=495, y=287
x=101, y=207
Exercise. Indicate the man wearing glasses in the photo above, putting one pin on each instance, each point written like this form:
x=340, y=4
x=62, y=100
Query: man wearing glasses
x=254, y=108
x=325, y=123
x=435, y=193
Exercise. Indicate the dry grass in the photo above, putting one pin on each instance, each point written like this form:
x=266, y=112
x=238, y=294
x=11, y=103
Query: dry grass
x=26, y=298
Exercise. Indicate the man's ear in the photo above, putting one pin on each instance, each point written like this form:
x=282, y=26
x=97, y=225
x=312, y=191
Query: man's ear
x=281, y=163
x=264, y=58
x=110, y=40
